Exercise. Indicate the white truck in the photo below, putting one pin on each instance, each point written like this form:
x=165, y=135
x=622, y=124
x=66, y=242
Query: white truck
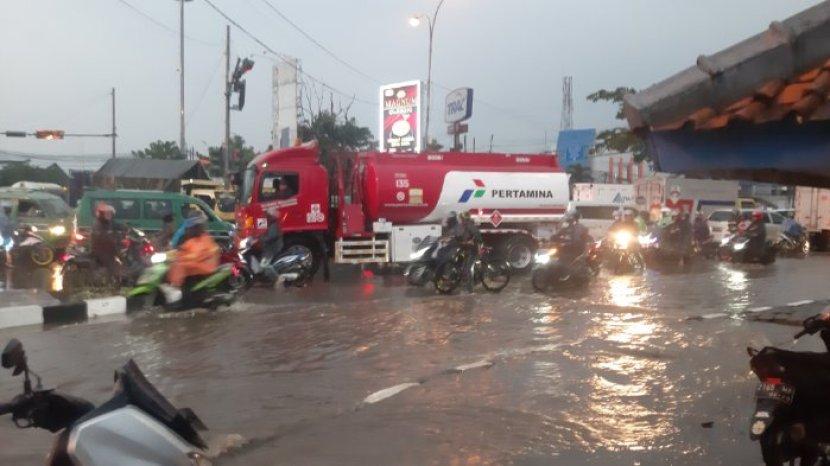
x=678, y=192
x=602, y=193
x=812, y=210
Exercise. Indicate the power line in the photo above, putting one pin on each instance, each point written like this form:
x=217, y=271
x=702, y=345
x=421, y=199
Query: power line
x=317, y=43
x=283, y=57
x=162, y=25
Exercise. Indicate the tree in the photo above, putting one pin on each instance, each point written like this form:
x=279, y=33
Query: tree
x=21, y=171
x=240, y=156
x=160, y=150
x=336, y=132
x=619, y=139
x=579, y=174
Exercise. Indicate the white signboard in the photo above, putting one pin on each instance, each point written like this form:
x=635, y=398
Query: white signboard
x=459, y=106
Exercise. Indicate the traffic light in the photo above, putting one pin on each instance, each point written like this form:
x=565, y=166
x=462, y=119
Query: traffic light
x=49, y=134
x=242, y=66
x=15, y=134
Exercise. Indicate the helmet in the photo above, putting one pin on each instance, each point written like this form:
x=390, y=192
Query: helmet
x=617, y=215
x=757, y=215
x=104, y=208
x=628, y=213
x=451, y=220
x=194, y=221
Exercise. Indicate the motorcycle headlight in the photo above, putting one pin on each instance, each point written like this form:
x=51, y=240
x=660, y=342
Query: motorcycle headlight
x=646, y=240
x=725, y=240
x=57, y=230
x=245, y=243
x=739, y=245
x=543, y=257
x=419, y=253
x=623, y=239
x=158, y=258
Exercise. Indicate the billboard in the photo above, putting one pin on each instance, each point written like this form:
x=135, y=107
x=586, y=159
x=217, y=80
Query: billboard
x=400, y=117
x=573, y=146
x=459, y=105
x=286, y=95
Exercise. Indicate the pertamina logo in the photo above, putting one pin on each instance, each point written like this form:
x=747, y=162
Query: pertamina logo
x=475, y=193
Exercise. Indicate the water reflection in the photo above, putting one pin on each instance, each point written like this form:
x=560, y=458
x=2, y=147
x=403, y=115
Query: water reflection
x=622, y=291
x=627, y=394
x=736, y=282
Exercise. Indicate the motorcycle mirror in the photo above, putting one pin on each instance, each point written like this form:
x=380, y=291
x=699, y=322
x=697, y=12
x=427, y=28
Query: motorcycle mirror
x=14, y=356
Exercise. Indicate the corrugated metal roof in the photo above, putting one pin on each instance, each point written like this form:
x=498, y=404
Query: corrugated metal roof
x=784, y=72
x=147, y=168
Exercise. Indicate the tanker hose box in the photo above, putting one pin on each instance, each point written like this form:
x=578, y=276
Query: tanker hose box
x=408, y=239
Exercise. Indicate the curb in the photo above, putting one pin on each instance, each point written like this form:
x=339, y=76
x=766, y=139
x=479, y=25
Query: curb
x=19, y=316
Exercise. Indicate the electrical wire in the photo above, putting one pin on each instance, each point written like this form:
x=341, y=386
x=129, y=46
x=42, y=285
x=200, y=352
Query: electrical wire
x=195, y=109
x=162, y=25
x=285, y=59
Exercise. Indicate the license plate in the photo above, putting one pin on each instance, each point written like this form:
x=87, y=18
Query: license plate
x=779, y=392
x=717, y=229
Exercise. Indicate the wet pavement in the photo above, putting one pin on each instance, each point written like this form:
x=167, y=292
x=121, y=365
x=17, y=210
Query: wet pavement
x=369, y=371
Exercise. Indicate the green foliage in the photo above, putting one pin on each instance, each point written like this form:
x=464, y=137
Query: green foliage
x=618, y=139
x=240, y=156
x=160, y=150
x=434, y=146
x=21, y=171
x=336, y=134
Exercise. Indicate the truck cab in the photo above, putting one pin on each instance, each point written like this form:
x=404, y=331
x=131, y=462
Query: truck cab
x=294, y=183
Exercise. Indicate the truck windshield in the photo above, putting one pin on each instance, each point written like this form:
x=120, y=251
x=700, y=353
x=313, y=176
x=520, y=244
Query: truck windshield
x=247, y=185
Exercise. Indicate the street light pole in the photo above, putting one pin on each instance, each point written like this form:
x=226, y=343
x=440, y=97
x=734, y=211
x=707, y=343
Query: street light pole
x=114, y=134
x=182, y=145
x=227, y=154
x=431, y=23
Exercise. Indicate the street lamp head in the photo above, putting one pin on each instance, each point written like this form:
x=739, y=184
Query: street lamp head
x=414, y=21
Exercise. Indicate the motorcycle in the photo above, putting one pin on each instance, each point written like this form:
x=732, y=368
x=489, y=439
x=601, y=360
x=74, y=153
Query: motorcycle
x=492, y=272
x=222, y=287
x=791, y=419
x=425, y=261
x=27, y=247
x=622, y=252
x=792, y=245
x=551, y=273
x=734, y=249
x=136, y=426
x=292, y=266
x=79, y=268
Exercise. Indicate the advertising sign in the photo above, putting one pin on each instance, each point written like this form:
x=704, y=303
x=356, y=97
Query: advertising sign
x=573, y=146
x=400, y=117
x=459, y=105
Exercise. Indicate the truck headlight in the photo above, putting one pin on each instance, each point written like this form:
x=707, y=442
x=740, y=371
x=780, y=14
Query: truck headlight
x=57, y=230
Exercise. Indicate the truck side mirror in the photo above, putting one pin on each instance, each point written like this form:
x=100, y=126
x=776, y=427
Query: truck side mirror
x=14, y=357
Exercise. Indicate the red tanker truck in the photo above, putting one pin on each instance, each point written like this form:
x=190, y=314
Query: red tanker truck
x=387, y=204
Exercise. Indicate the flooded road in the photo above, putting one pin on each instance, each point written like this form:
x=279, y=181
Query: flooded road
x=367, y=371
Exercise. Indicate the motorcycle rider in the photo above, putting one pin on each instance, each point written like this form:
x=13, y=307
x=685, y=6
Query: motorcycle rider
x=700, y=229
x=573, y=238
x=6, y=235
x=756, y=232
x=677, y=234
x=197, y=256
x=106, y=238
x=272, y=240
x=168, y=229
x=468, y=237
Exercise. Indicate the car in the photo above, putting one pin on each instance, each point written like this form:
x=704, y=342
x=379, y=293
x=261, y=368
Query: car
x=48, y=213
x=722, y=222
x=144, y=210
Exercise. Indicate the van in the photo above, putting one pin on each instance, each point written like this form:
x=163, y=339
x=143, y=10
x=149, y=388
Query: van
x=145, y=209
x=48, y=213
x=598, y=217
x=212, y=193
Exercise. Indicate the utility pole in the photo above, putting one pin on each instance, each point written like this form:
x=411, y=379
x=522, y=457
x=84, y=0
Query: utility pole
x=182, y=142
x=227, y=105
x=113, y=123
x=491, y=142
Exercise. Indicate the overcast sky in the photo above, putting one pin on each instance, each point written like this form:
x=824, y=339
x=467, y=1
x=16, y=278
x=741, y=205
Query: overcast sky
x=60, y=58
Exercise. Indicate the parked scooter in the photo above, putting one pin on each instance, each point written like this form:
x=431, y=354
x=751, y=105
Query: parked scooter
x=550, y=273
x=222, y=287
x=792, y=410
x=136, y=426
x=292, y=266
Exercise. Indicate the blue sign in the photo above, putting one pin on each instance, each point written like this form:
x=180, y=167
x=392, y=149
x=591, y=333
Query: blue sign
x=573, y=146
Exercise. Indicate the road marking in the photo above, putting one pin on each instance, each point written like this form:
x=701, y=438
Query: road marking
x=474, y=365
x=381, y=395
x=760, y=309
x=714, y=316
x=800, y=303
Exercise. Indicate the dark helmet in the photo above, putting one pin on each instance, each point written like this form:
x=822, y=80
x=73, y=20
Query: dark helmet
x=757, y=215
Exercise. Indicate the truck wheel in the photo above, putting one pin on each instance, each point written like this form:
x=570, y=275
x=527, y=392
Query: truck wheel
x=518, y=252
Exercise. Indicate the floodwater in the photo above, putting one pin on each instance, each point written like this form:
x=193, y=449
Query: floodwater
x=614, y=374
